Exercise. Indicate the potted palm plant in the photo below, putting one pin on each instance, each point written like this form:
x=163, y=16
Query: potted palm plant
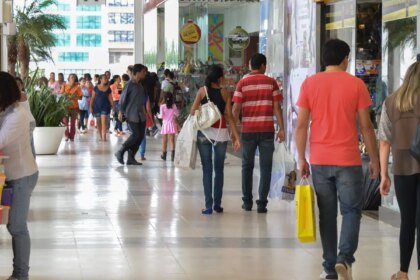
x=48, y=111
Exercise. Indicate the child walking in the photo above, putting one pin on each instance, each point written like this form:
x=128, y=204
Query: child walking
x=168, y=113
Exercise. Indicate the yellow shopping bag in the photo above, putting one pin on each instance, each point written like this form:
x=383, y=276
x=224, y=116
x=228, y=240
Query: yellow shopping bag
x=305, y=212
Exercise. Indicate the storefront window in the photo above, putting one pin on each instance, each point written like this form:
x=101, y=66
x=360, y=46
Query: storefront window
x=171, y=34
x=150, y=45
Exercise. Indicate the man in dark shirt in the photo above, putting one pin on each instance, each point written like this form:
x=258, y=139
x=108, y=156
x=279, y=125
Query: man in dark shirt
x=132, y=107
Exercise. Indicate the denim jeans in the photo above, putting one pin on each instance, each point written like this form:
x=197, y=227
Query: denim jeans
x=143, y=145
x=82, y=115
x=118, y=123
x=206, y=149
x=335, y=184
x=264, y=141
x=18, y=227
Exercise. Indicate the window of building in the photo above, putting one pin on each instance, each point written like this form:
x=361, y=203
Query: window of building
x=120, y=3
x=115, y=57
x=66, y=21
x=73, y=56
x=62, y=7
x=121, y=36
x=88, y=40
x=62, y=40
x=88, y=22
x=121, y=18
x=89, y=8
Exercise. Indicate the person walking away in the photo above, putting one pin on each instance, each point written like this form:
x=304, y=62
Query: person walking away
x=399, y=120
x=168, y=113
x=74, y=93
x=258, y=97
x=101, y=106
x=331, y=101
x=116, y=90
x=20, y=169
x=166, y=86
x=83, y=106
x=218, y=136
x=132, y=107
x=150, y=117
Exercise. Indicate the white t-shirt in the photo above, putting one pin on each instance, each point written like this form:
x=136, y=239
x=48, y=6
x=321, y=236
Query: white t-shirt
x=216, y=135
x=15, y=143
x=167, y=86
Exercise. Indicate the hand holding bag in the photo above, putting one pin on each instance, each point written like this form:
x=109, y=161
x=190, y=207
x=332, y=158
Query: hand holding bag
x=305, y=212
x=207, y=115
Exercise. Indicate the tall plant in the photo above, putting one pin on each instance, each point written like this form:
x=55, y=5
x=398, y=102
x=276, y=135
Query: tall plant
x=34, y=37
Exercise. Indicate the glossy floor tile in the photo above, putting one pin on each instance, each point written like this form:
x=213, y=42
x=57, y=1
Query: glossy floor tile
x=91, y=218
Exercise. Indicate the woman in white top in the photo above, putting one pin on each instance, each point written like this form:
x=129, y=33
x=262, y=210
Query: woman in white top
x=20, y=168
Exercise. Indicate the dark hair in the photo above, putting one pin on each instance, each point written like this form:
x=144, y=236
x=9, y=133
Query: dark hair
x=76, y=79
x=20, y=81
x=169, y=100
x=9, y=90
x=130, y=68
x=167, y=72
x=97, y=76
x=334, y=52
x=125, y=77
x=88, y=77
x=171, y=75
x=115, y=77
x=138, y=68
x=60, y=74
x=215, y=73
x=257, y=60
x=81, y=79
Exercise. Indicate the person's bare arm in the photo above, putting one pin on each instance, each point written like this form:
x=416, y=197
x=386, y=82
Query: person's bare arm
x=369, y=138
x=232, y=124
x=236, y=111
x=92, y=101
x=111, y=101
x=197, y=101
x=149, y=109
x=278, y=112
x=384, y=151
x=301, y=136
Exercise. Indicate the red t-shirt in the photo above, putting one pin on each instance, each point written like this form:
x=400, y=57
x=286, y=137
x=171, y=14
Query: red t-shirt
x=333, y=99
x=256, y=93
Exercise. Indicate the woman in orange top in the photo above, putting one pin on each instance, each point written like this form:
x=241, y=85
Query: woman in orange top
x=74, y=92
x=116, y=89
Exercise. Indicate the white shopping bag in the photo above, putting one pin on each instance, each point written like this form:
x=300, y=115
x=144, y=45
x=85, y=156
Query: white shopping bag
x=186, y=145
x=283, y=174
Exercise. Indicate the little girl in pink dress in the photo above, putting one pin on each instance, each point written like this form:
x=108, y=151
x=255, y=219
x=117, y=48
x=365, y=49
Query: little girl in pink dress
x=168, y=113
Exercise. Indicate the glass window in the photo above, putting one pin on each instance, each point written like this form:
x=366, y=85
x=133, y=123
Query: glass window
x=120, y=3
x=88, y=40
x=121, y=18
x=115, y=57
x=62, y=40
x=73, y=56
x=88, y=22
x=66, y=21
x=89, y=8
x=63, y=7
x=121, y=36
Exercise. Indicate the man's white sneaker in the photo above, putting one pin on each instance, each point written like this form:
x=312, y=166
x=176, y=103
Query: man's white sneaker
x=325, y=276
x=344, y=271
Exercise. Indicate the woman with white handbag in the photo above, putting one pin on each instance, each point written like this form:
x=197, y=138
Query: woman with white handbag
x=212, y=110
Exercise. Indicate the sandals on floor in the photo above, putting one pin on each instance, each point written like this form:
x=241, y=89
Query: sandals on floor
x=399, y=276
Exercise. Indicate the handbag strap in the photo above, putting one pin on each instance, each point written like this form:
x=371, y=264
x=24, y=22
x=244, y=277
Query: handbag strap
x=207, y=95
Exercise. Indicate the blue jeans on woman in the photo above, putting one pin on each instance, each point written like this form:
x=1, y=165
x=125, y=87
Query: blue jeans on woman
x=206, y=154
x=335, y=184
x=18, y=227
x=143, y=145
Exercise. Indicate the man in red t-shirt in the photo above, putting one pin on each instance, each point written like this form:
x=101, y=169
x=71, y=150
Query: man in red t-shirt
x=331, y=101
x=258, y=97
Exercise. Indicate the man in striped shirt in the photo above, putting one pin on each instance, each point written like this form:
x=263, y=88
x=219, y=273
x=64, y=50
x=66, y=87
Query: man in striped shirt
x=258, y=97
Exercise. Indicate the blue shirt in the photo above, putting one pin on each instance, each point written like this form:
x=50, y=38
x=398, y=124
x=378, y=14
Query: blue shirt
x=101, y=103
x=84, y=103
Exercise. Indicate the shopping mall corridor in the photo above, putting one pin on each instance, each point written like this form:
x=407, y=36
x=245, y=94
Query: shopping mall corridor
x=91, y=218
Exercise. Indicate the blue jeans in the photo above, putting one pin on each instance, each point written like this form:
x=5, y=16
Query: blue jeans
x=335, y=184
x=264, y=141
x=143, y=145
x=206, y=152
x=18, y=227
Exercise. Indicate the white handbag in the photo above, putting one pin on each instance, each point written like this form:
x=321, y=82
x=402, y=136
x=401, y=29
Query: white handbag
x=207, y=115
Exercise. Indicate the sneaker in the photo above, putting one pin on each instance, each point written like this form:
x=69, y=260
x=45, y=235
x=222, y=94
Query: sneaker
x=325, y=276
x=344, y=271
x=218, y=208
x=246, y=207
x=207, y=211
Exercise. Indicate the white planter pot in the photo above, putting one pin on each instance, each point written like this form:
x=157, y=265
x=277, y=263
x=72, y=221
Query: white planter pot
x=47, y=140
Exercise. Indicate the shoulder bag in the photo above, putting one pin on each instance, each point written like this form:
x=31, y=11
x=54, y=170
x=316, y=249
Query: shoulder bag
x=207, y=115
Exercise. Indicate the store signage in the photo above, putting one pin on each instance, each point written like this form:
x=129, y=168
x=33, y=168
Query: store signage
x=190, y=33
x=238, y=39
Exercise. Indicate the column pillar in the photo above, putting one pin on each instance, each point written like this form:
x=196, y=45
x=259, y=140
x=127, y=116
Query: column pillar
x=3, y=50
x=138, y=31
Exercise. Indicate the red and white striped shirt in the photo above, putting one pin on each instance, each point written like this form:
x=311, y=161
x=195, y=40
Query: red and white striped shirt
x=257, y=94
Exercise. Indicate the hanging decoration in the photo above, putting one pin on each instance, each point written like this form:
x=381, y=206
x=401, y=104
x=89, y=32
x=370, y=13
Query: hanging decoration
x=238, y=39
x=190, y=33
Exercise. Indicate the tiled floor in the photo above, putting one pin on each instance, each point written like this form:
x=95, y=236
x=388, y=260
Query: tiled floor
x=94, y=219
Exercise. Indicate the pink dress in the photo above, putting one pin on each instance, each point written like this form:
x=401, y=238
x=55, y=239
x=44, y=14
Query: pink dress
x=168, y=119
